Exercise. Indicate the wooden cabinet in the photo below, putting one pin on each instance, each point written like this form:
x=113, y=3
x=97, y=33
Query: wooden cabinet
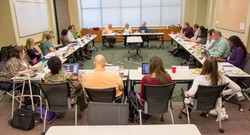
x=165, y=30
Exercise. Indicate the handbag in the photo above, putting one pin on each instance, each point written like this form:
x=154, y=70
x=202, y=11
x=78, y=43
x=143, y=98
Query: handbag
x=23, y=119
x=50, y=115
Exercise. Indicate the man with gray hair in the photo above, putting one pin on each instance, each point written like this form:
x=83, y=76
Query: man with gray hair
x=221, y=47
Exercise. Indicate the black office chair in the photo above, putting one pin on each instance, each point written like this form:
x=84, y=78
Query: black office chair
x=245, y=82
x=9, y=84
x=157, y=100
x=5, y=55
x=205, y=100
x=101, y=95
x=108, y=113
x=41, y=48
x=57, y=98
x=6, y=47
x=153, y=37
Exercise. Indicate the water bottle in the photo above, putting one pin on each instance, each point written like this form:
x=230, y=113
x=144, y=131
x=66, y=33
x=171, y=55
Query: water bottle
x=121, y=69
x=44, y=63
x=89, y=35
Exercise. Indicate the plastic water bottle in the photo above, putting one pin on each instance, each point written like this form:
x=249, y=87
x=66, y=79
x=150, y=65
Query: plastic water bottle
x=44, y=63
x=121, y=69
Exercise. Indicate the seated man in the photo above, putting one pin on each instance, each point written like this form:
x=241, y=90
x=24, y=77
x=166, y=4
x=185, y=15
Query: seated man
x=221, y=47
x=101, y=78
x=143, y=29
x=111, y=39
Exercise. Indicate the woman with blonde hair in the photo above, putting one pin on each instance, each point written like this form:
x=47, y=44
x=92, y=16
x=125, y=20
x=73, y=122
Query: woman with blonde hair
x=34, y=55
x=126, y=30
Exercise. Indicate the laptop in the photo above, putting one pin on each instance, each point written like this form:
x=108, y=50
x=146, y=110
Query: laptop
x=71, y=68
x=145, y=68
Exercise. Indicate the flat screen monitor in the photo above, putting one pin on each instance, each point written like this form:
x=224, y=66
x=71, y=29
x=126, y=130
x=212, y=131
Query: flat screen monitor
x=71, y=67
x=145, y=68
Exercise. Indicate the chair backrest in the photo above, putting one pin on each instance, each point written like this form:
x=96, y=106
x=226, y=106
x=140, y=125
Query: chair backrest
x=5, y=55
x=2, y=64
x=247, y=64
x=41, y=48
x=108, y=113
x=6, y=47
x=157, y=98
x=57, y=95
x=206, y=96
x=247, y=69
x=101, y=95
x=153, y=37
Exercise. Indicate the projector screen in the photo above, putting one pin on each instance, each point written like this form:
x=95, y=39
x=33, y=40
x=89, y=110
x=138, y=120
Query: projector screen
x=32, y=18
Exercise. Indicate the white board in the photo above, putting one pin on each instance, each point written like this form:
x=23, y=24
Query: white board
x=32, y=18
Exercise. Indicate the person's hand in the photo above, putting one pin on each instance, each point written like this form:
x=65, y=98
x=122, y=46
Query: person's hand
x=186, y=94
x=34, y=68
x=220, y=59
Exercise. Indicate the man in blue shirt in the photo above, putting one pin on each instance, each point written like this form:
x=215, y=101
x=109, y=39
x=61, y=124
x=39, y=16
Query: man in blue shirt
x=143, y=29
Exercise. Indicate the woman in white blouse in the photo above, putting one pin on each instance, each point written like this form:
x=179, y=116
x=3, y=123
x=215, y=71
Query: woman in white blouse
x=211, y=76
x=126, y=30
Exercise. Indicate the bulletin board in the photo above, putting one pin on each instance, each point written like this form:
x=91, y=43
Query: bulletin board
x=231, y=15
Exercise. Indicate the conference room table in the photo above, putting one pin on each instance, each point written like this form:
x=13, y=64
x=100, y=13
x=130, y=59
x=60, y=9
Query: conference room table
x=158, y=34
x=136, y=41
x=185, y=75
x=65, y=52
x=196, y=52
x=177, y=129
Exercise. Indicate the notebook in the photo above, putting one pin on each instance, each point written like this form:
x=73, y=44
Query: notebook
x=145, y=68
x=71, y=67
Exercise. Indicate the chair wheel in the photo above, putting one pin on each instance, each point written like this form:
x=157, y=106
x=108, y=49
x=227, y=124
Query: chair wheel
x=241, y=109
x=221, y=130
x=43, y=133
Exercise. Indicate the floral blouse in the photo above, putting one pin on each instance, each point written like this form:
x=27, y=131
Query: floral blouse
x=11, y=68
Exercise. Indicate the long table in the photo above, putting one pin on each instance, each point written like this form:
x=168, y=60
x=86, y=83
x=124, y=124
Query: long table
x=160, y=34
x=191, y=48
x=178, y=129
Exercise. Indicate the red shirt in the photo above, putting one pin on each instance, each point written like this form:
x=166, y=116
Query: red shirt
x=145, y=80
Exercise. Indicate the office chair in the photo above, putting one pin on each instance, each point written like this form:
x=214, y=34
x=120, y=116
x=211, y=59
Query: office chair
x=107, y=113
x=102, y=95
x=157, y=100
x=205, y=100
x=57, y=98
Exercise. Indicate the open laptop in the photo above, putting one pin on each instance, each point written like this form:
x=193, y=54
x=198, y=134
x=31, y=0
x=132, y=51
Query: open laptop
x=71, y=67
x=145, y=68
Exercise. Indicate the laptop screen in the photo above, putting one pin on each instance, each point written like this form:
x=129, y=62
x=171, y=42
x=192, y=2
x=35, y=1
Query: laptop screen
x=145, y=68
x=71, y=67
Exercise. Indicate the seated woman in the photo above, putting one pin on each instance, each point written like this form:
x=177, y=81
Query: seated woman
x=17, y=64
x=56, y=75
x=126, y=30
x=239, y=52
x=48, y=44
x=35, y=56
x=210, y=76
x=201, y=37
x=157, y=74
